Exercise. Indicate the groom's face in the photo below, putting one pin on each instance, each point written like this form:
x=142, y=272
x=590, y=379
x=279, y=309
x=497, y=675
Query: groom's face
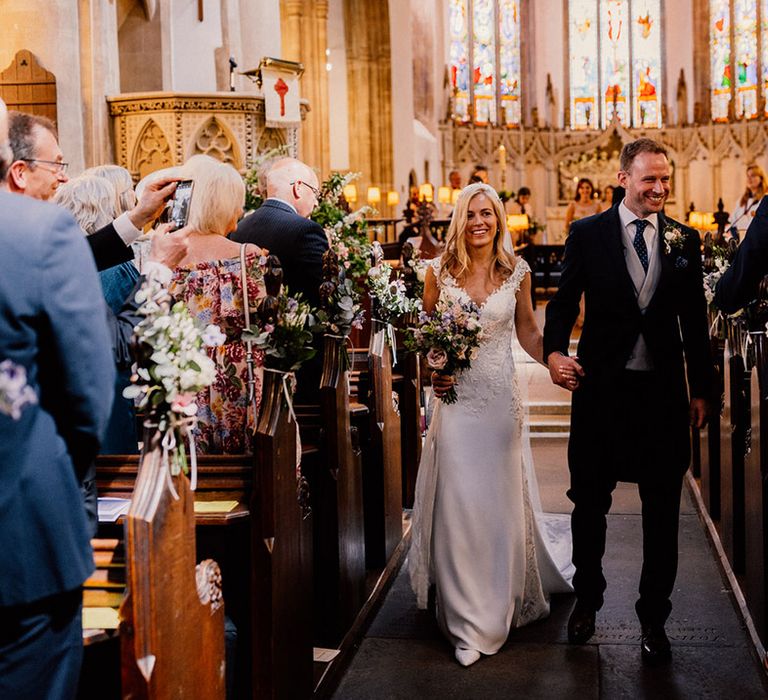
x=646, y=183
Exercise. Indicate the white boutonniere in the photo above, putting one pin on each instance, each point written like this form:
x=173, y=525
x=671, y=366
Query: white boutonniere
x=673, y=237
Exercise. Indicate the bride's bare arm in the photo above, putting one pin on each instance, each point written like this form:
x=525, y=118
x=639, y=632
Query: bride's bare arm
x=431, y=293
x=528, y=332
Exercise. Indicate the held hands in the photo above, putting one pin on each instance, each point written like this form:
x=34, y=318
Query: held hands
x=441, y=383
x=564, y=371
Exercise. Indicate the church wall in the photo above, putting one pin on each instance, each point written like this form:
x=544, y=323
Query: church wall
x=549, y=30
x=678, y=52
x=259, y=33
x=192, y=45
x=57, y=47
x=337, y=88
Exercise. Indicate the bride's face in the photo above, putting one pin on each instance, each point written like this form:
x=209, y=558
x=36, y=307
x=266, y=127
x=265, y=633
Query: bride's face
x=482, y=223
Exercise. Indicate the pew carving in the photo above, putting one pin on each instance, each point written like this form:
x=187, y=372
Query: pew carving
x=172, y=619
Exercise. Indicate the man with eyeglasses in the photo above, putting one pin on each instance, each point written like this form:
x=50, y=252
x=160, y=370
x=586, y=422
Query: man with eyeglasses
x=282, y=226
x=38, y=168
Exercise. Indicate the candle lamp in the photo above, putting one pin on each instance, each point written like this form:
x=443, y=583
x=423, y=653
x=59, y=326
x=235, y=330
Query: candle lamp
x=350, y=193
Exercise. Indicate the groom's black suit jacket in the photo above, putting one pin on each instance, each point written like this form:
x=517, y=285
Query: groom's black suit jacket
x=674, y=327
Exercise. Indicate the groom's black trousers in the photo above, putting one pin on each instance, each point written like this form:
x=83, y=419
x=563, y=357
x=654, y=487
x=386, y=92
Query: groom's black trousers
x=630, y=431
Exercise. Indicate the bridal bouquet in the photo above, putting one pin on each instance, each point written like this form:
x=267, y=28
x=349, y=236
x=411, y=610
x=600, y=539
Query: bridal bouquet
x=449, y=337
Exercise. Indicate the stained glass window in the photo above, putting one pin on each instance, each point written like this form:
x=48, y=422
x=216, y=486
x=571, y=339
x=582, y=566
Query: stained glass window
x=459, y=37
x=738, y=28
x=582, y=33
x=646, y=63
x=485, y=61
x=509, y=61
x=615, y=62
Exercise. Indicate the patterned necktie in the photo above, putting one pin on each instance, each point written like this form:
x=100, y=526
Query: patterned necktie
x=639, y=242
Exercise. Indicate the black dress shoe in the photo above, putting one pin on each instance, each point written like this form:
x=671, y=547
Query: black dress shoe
x=581, y=625
x=654, y=645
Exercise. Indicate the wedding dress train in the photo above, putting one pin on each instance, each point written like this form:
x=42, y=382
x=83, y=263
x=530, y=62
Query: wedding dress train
x=478, y=530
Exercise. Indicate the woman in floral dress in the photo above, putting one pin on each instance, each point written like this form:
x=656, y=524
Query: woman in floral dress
x=208, y=280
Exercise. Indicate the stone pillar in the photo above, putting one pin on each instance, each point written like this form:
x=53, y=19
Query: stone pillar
x=369, y=85
x=99, y=75
x=304, y=25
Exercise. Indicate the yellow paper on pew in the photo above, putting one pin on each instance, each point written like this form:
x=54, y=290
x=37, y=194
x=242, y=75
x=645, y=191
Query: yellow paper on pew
x=100, y=618
x=215, y=506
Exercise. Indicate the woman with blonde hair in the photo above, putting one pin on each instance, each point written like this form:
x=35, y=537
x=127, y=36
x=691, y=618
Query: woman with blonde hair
x=744, y=209
x=209, y=281
x=92, y=200
x=478, y=532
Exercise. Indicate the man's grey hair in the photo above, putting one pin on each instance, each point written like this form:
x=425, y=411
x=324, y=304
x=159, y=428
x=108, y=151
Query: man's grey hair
x=21, y=133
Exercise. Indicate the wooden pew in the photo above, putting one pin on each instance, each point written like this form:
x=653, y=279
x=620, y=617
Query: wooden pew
x=732, y=450
x=337, y=501
x=382, y=469
x=756, y=493
x=157, y=642
x=709, y=437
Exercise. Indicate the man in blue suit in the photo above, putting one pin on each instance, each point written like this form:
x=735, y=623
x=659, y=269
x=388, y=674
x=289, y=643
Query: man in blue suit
x=54, y=336
x=281, y=225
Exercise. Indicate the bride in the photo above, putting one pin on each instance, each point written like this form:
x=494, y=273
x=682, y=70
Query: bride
x=478, y=531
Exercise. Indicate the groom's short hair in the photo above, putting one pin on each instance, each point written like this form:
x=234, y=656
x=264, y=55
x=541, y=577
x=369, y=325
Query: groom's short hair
x=632, y=149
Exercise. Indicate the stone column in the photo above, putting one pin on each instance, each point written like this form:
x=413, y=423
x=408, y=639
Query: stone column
x=99, y=75
x=369, y=85
x=304, y=28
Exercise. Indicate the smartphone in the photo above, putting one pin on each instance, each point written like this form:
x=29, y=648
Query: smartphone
x=179, y=205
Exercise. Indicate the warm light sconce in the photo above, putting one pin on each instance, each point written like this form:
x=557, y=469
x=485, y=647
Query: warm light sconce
x=702, y=220
x=426, y=192
x=517, y=222
x=350, y=193
x=374, y=195
x=455, y=196
x=393, y=198
x=444, y=195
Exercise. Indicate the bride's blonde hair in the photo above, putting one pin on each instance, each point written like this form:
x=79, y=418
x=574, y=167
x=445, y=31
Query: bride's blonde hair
x=455, y=260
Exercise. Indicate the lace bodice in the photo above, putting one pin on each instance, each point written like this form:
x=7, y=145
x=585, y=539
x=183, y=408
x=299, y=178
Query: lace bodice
x=493, y=370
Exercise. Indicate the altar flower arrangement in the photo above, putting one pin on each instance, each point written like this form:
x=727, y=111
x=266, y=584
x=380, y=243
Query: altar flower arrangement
x=390, y=294
x=449, y=337
x=285, y=337
x=171, y=366
x=15, y=393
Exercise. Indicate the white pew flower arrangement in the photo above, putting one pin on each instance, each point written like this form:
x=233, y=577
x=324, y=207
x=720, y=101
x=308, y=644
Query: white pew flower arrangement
x=171, y=367
x=390, y=294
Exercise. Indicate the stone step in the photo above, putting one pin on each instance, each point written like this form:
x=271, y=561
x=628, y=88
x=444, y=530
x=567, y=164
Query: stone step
x=549, y=408
x=550, y=424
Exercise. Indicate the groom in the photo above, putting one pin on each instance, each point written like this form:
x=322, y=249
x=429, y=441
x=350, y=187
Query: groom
x=645, y=326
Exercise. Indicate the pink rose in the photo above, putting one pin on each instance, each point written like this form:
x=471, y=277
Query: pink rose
x=437, y=359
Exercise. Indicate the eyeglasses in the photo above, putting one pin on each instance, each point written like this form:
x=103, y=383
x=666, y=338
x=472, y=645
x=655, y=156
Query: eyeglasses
x=59, y=167
x=315, y=190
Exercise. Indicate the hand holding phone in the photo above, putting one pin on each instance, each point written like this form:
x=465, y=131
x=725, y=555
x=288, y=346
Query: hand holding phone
x=180, y=204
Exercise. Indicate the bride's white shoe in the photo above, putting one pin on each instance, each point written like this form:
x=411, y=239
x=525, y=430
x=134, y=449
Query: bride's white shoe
x=466, y=657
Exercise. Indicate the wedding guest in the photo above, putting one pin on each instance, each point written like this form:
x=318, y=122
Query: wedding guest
x=740, y=283
x=522, y=203
x=744, y=209
x=92, y=201
x=38, y=168
x=454, y=179
x=54, y=340
x=476, y=533
x=282, y=226
x=607, y=197
x=583, y=203
x=644, y=348
x=209, y=281
x=479, y=174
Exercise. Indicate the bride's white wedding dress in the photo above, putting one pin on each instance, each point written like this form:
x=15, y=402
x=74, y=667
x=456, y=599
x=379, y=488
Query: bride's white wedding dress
x=478, y=530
